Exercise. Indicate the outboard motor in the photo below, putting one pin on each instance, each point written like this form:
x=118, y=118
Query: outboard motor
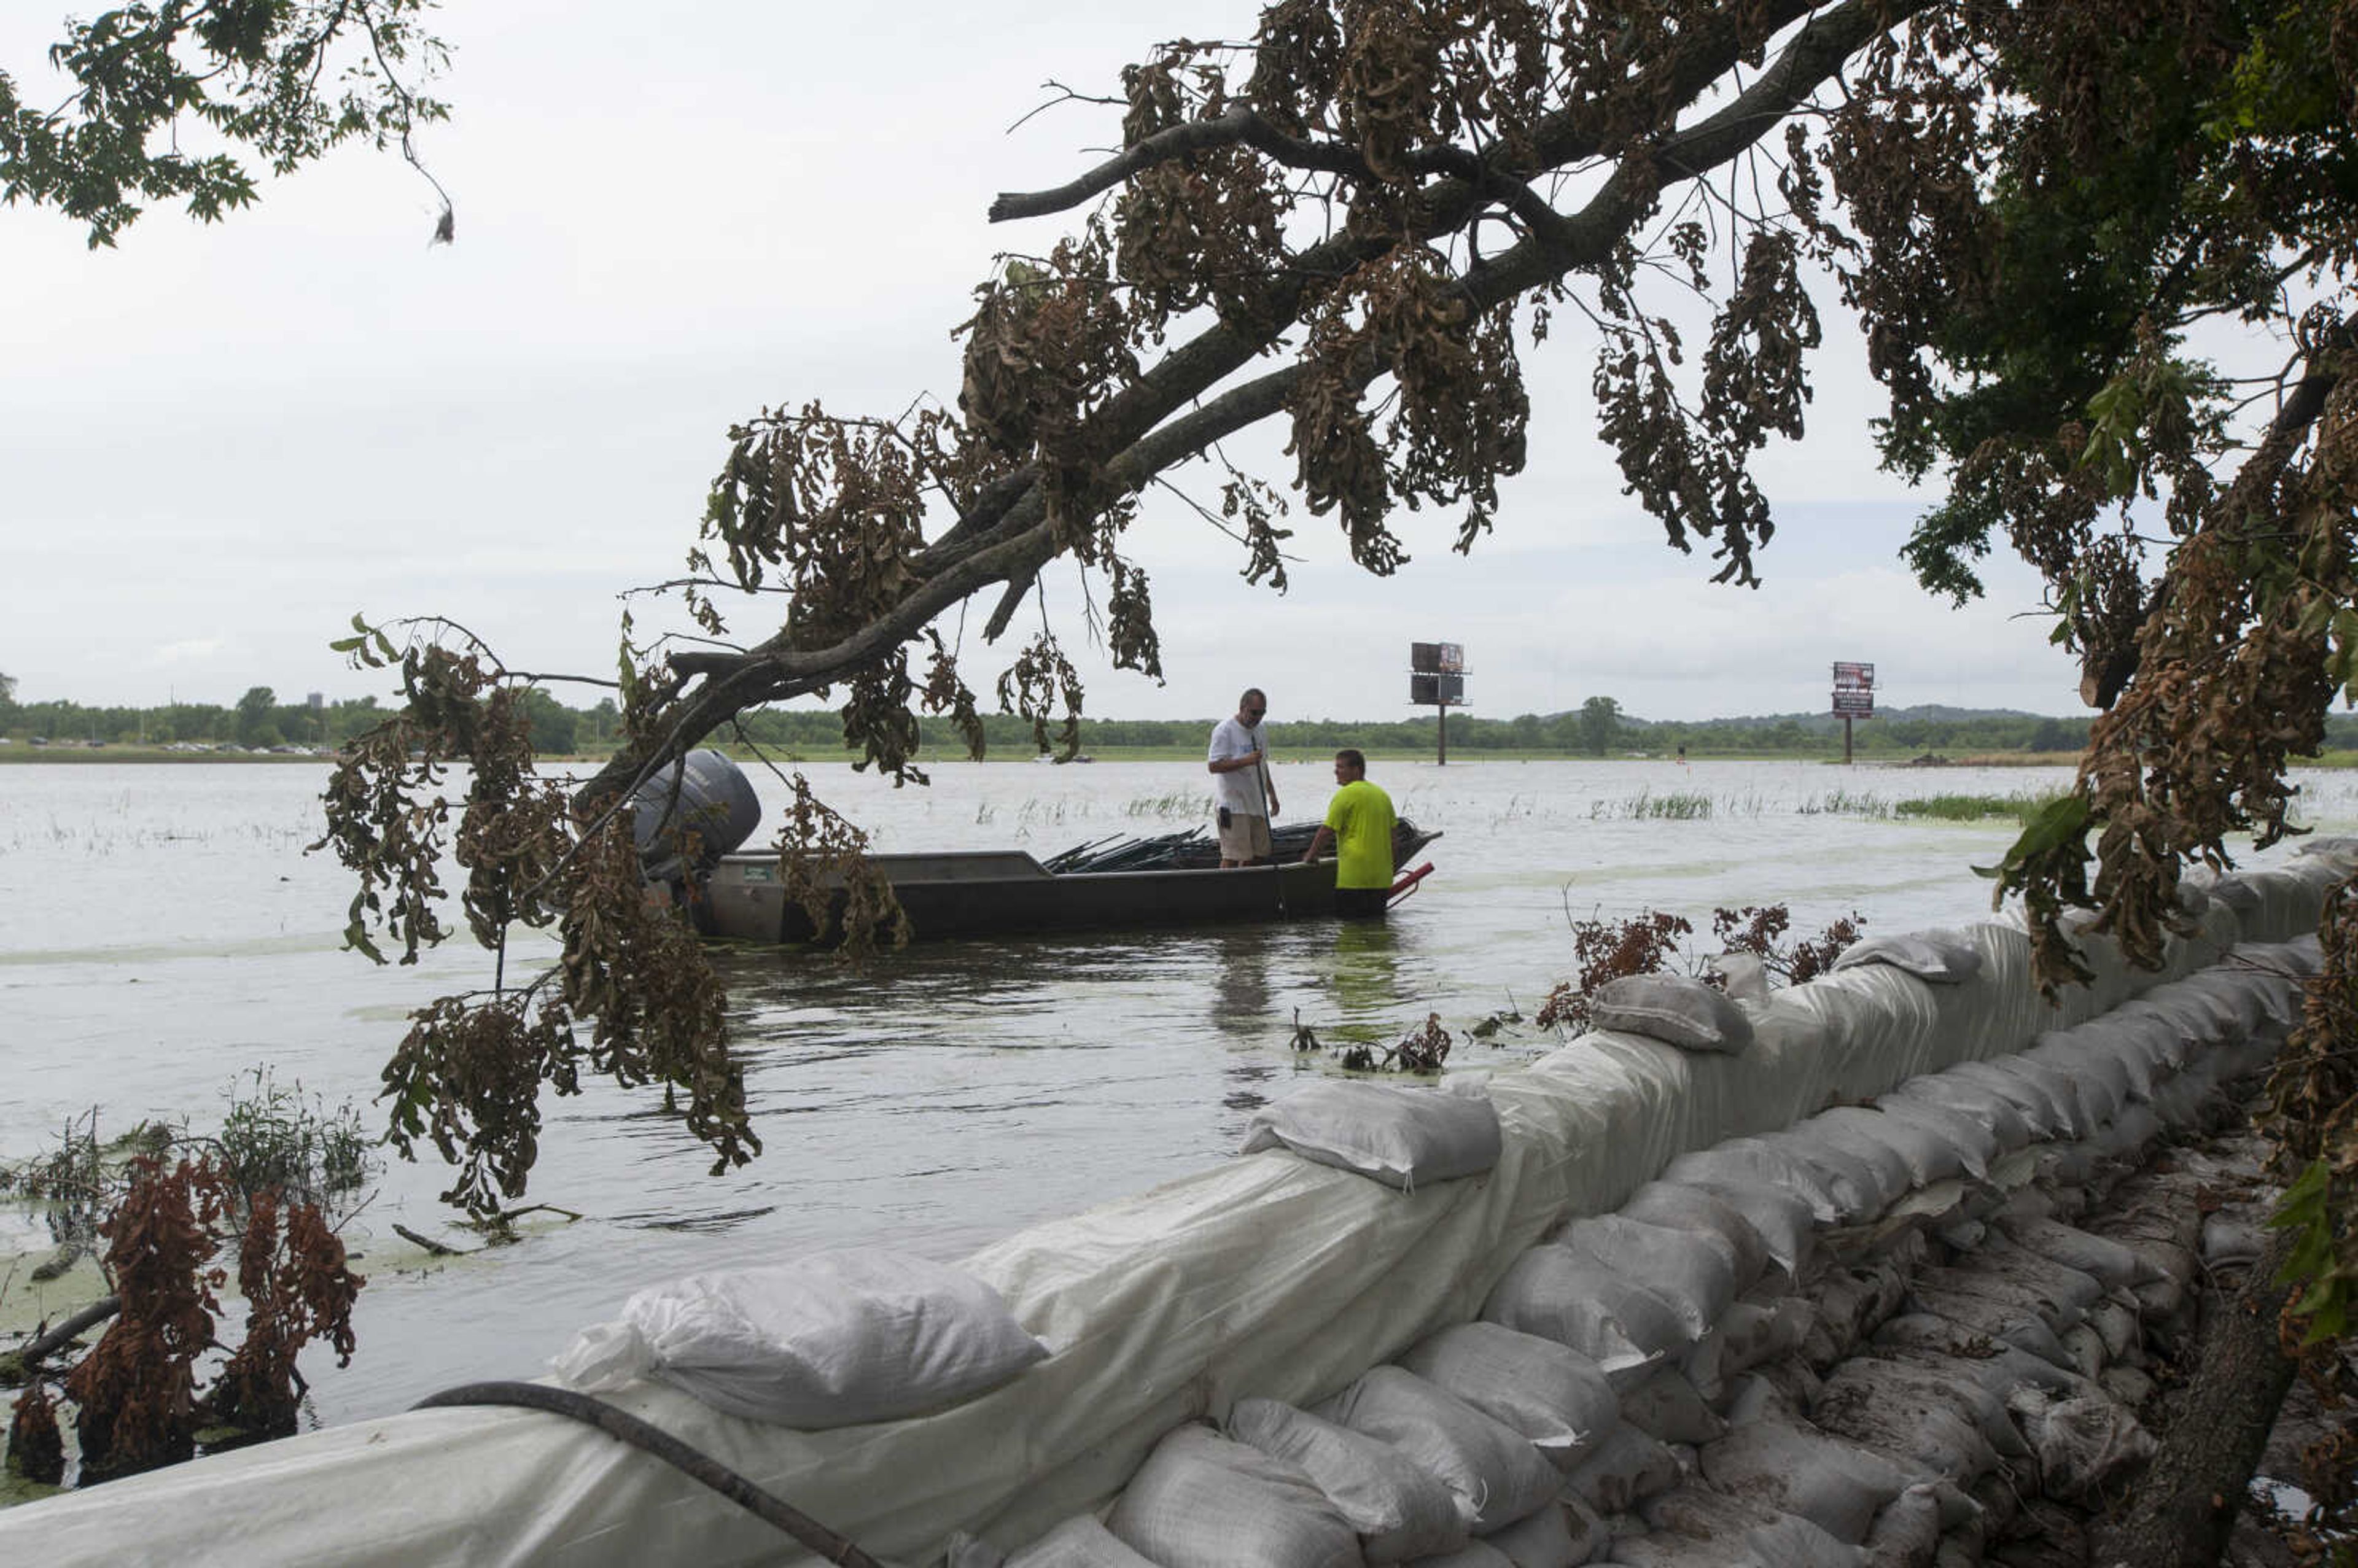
x=704, y=794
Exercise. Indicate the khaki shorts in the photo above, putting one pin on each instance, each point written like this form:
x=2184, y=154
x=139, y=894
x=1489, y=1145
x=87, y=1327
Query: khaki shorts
x=1245, y=839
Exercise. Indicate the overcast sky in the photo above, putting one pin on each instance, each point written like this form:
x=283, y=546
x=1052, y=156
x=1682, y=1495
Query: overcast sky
x=218, y=443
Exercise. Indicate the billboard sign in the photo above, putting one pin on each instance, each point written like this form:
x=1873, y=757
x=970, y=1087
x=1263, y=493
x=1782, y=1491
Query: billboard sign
x=1854, y=702
x=1853, y=677
x=1436, y=658
x=1432, y=689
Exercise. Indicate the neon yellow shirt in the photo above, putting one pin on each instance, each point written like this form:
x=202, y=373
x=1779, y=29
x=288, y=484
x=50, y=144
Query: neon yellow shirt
x=1361, y=816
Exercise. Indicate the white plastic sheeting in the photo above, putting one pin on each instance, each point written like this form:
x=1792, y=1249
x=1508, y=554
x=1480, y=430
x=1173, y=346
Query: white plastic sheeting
x=1267, y=1277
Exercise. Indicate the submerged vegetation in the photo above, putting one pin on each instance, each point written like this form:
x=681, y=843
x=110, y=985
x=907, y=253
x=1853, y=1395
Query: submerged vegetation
x=177, y=1212
x=1654, y=942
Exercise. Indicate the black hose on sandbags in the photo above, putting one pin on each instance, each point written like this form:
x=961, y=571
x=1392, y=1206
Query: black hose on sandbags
x=624, y=1427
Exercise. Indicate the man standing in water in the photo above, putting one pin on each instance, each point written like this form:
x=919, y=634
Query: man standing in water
x=1245, y=794
x=1359, y=824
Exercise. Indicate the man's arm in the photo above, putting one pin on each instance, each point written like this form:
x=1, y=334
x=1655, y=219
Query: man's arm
x=1268, y=782
x=1319, y=842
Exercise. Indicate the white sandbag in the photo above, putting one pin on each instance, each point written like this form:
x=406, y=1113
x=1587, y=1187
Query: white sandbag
x=1687, y=1014
x=836, y=1338
x=1400, y=1510
x=1865, y=1178
x=2059, y=1309
x=1698, y=1213
x=1627, y=1466
x=1796, y=1468
x=1980, y=1104
x=1970, y=1142
x=2095, y=1072
x=1203, y=1501
x=1742, y=1163
x=1401, y=1136
x=1941, y=958
x=1571, y=1298
x=1490, y=1466
x=2046, y=1102
x=1690, y=1273
x=1929, y=1155
x=1080, y=1542
x=1667, y=1406
x=1559, y=1400
x=1784, y=1220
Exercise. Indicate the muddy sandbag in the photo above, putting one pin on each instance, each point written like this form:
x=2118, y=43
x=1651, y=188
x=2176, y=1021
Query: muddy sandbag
x=1688, y=1271
x=1493, y=1468
x=1558, y=1399
x=1080, y=1543
x=1903, y=1418
x=1692, y=1525
x=1785, y=1221
x=1401, y=1136
x=1936, y=1379
x=1399, y=1510
x=2112, y=1264
x=1932, y=1333
x=2059, y=1309
x=1203, y=1501
x=2007, y=1259
x=1907, y=1533
x=1677, y=1010
x=2083, y=1444
x=1795, y=1467
x=1541, y=1540
x=1698, y=1213
x=1747, y=1334
x=1569, y=1297
x=1667, y=1406
x=1473, y=1555
x=1627, y=1466
x=2128, y=1136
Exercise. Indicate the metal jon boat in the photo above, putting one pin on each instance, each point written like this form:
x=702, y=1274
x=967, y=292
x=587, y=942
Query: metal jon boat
x=1174, y=881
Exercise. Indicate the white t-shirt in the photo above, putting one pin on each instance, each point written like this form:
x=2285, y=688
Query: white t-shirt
x=1239, y=791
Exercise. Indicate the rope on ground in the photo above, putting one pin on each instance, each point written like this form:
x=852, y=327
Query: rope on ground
x=649, y=1438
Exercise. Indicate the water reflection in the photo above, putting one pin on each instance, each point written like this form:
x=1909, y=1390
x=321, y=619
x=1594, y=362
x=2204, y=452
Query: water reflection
x=1362, y=972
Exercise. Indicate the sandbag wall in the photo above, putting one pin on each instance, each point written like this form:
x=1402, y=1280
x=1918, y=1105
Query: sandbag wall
x=1268, y=1278
x=1867, y=1339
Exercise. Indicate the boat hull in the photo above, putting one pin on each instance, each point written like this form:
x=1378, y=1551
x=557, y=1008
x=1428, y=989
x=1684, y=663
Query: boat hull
x=992, y=893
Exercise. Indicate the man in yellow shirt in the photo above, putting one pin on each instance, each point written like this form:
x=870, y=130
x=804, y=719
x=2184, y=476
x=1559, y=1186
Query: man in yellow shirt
x=1359, y=824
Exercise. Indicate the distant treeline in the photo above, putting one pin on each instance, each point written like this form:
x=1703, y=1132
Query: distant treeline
x=1599, y=728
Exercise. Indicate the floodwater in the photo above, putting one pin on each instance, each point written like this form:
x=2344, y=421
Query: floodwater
x=162, y=931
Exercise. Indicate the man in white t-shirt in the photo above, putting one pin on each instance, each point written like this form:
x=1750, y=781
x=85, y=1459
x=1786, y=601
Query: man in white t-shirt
x=1242, y=789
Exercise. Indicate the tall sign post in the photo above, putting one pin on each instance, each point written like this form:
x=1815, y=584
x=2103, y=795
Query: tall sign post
x=1853, y=696
x=1436, y=679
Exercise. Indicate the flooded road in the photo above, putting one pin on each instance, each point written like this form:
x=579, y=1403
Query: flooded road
x=162, y=932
